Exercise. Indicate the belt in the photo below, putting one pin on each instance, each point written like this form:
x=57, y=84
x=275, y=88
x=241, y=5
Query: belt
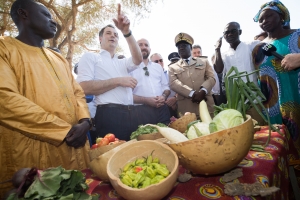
x=113, y=105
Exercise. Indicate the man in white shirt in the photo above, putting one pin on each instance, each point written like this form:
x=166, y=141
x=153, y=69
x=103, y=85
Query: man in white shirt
x=107, y=77
x=171, y=101
x=239, y=54
x=152, y=89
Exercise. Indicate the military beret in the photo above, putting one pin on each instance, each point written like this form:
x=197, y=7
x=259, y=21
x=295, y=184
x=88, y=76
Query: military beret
x=184, y=37
x=173, y=56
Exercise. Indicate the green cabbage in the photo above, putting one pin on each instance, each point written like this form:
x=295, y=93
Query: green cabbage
x=226, y=119
x=197, y=129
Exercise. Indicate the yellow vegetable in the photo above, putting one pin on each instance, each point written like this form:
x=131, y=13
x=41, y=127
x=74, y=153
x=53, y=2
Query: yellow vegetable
x=203, y=111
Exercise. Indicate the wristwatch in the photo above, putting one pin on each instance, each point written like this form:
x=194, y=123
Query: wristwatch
x=89, y=120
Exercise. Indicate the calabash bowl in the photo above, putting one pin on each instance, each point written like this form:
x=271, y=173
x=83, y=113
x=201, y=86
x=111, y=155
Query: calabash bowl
x=138, y=150
x=150, y=136
x=218, y=152
x=94, y=153
x=99, y=164
x=181, y=123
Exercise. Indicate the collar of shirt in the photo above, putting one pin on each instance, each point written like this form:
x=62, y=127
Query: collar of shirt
x=105, y=52
x=152, y=85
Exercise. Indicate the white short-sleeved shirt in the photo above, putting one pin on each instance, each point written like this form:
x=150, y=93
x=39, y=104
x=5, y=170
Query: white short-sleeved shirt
x=216, y=88
x=154, y=84
x=240, y=58
x=101, y=66
x=172, y=94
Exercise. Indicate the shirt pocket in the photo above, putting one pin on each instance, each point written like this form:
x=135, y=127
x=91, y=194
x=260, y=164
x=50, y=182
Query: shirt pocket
x=200, y=67
x=179, y=73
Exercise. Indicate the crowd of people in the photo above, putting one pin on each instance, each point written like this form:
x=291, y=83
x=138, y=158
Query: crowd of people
x=44, y=118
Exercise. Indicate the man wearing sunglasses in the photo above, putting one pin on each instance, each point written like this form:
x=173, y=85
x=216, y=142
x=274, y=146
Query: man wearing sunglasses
x=192, y=78
x=152, y=89
x=239, y=54
x=171, y=101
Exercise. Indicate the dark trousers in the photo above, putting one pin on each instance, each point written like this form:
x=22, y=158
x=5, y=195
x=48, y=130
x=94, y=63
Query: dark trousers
x=117, y=119
x=151, y=115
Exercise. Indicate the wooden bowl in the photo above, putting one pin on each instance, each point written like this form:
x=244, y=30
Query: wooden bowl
x=99, y=164
x=150, y=136
x=94, y=153
x=138, y=150
x=181, y=123
x=218, y=152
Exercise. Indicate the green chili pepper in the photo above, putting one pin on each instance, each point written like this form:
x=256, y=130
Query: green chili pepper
x=162, y=171
x=157, y=179
x=128, y=166
x=155, y=160
x=131, y=174
x=146, y=182
x=163, y=165
x=140, y=177
x=155, y=165
x=140, y=161
x=149, y=159
x=150, y=172
x=127, y=180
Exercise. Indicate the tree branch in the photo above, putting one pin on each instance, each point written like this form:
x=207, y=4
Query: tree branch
x=85, y=47
x=3, y=12
x=84, y=2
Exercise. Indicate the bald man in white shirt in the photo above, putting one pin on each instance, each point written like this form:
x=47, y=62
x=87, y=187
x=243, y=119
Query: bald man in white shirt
x=152, y=89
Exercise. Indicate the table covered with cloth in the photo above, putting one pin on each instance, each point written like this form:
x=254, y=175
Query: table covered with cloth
x=270, y=168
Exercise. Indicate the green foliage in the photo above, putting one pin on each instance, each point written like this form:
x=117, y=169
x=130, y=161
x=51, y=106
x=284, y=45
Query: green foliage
x=145, y=130
x=57, y=183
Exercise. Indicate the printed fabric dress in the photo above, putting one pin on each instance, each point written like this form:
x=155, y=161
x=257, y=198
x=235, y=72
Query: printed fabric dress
x=281, y=87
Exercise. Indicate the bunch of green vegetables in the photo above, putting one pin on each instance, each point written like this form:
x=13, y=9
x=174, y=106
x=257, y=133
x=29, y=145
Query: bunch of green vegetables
x=56, y=183
x=242, y=95
x=144, y=172
x=145, y=130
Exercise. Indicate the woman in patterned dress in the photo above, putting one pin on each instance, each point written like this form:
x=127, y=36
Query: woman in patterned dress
x=280, y=85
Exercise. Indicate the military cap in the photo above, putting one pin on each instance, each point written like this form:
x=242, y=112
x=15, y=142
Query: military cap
x=173, y=56
x=184, y=37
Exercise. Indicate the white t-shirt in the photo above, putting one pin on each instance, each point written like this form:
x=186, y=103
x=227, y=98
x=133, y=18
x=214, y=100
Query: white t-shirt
x=172, y=94
x=101, y=66
x=240, y=58
x=154, y=84
x=216, y=88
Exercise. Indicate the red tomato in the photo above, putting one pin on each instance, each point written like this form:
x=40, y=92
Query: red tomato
x=103, y=142
x=111, y=137
x=98, y=139
x=94, y=146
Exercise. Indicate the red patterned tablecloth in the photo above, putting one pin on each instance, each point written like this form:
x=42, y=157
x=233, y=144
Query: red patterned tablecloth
x=269, y=168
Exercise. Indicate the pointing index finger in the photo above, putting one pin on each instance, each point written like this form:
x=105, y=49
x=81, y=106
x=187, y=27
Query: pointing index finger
x=119, y=9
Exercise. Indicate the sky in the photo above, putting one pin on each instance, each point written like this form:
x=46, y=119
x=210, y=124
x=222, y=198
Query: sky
x=204, y=20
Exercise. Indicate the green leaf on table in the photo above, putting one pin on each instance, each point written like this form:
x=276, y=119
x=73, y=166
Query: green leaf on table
x=46, y=184
x=76, y=182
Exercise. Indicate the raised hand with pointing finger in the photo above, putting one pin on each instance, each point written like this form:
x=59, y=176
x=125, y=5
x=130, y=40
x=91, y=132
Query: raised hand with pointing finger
x=122, y=22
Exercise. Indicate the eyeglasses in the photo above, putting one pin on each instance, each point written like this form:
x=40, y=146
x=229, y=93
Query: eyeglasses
x=160, y=60
x=232, y=31
x=146, y=71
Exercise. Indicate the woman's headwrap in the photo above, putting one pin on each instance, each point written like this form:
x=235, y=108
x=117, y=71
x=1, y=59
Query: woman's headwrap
x=277, y=6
